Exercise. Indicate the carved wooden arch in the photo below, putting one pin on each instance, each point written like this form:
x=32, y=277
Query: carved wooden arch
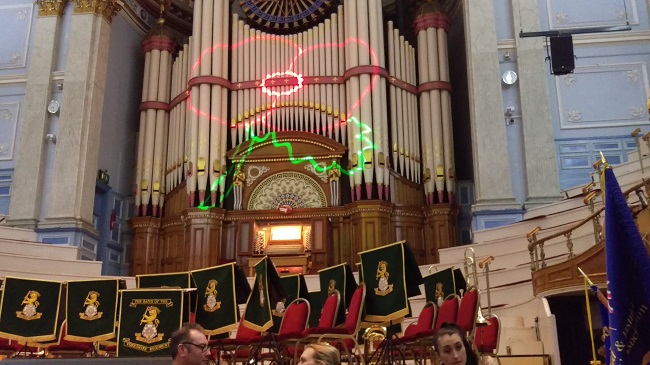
x=280, y=169
x=295, y=189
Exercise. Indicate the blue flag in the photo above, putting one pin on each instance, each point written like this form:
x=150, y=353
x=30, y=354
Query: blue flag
x=628, y=273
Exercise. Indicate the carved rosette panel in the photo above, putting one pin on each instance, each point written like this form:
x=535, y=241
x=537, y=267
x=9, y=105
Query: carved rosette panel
x=287, y=188
x=321, y=174
x=254, y=173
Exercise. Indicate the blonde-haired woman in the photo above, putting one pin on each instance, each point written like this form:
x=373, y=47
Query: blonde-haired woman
x=320, y=354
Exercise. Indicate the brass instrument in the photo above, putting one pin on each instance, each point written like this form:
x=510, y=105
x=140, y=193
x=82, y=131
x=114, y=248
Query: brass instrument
x=485, y=263
x=469, y=263
x=373, y=335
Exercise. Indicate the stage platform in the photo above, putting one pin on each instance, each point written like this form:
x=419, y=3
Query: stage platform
x=91, y=361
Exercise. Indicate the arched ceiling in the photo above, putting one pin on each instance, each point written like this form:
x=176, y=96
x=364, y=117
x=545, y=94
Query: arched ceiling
x=402, y=12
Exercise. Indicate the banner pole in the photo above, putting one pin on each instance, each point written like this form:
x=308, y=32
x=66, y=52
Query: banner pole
x=588, y=282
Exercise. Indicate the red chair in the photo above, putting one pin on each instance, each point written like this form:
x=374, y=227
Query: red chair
x=326, y=321
x=235, y=349
x=7, y=348
x=110, y=350
x=409, y=343
x=345, y=338
x=467, y=312
x=294, y=322
x=67, y=348
x=486, y=338
x=448, y=312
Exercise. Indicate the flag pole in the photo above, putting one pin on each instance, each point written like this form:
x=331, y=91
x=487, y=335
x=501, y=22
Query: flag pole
x=588, y=282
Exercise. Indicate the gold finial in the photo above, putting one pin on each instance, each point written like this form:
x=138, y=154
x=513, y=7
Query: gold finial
x=164, y=4
x=602, y=158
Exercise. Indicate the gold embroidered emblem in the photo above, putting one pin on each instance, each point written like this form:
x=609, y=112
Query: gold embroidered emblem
x=260, y=287
x=383, y=288
x=92, y=304
x=150, y=320
x=30, y=301
x=440, y=294
x=331, y=287
x=211, y=303
x=279, y=308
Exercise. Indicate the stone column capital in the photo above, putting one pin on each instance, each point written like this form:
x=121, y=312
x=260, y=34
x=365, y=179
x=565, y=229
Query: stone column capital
x=50, y=7
x=105, y=8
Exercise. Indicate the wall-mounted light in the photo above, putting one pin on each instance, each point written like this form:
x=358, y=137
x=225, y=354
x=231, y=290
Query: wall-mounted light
x=53, y=107
x=509, y=77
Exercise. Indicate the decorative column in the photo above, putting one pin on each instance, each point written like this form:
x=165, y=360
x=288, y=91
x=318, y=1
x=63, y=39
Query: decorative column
x=145, y=246
x=203, y=230
x=431, y=26
x=440, y=229
x=26, y=196
x=542, y=179
x=489, y=142
x=370, y=225
x=158, y=47
x=77, y=150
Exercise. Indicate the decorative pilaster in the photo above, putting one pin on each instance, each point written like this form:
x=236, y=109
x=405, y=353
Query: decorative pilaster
x=77, y=149
x=542, y=180
x=105, y=8
x=145, y=245
x=202, y=237
x=27, y=196
x=370, y=225
x=50, y=7
x=440, y=229
x=489, y=142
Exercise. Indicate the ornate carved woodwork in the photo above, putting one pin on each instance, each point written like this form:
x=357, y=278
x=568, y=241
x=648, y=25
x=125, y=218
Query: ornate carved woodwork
x=288, y=186
x=145, y=245
x=565, y=275
x=440, y=229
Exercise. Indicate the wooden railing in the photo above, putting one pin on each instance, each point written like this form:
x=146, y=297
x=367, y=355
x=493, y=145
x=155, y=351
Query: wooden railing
x=536, y=246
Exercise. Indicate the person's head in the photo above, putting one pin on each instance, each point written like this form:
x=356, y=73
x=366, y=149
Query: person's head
x=452, y=346
x=189, y=345
x=320, y=354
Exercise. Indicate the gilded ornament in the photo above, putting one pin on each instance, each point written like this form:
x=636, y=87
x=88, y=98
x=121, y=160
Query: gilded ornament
x=50, y=7
x=105, y=8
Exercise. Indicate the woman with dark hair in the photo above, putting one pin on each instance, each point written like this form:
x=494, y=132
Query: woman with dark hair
x=452, y=346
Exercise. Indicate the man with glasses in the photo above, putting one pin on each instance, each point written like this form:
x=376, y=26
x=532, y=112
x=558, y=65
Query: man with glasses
x=189, y=346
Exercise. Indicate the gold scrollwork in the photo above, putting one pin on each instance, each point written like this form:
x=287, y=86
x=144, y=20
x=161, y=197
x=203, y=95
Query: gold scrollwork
x=105, y=8
x=50, y=7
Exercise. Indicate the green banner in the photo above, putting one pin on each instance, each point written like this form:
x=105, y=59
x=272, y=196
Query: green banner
x=338, y=277
x=294, y=287
x=172, y=280
x=91, y=309
x=148, y=317
x=384, y=273
x=316, y=306
x=29, y=310
x=439, y=285
x=216, y=308
x=265, y=291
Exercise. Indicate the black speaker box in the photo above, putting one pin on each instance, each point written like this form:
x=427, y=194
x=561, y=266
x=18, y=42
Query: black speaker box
x=562, y=58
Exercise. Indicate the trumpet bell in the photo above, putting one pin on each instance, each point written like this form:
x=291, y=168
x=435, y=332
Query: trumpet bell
x=480, y=320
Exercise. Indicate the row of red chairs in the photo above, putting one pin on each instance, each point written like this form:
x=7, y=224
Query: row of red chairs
x=62, y=348
x=417, y=341
x=286, y=346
